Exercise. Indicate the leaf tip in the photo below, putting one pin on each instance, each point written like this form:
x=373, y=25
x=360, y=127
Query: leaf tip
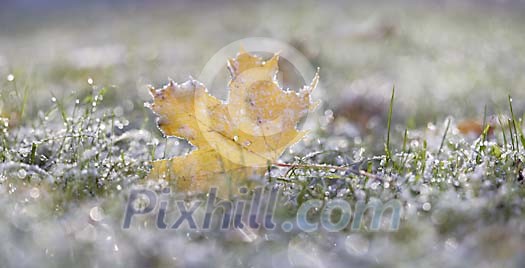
x=151, y=90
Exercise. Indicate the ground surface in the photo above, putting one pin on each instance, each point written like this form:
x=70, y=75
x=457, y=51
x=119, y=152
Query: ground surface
x=73, y=86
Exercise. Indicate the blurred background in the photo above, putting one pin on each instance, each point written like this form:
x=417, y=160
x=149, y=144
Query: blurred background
x=444, y=57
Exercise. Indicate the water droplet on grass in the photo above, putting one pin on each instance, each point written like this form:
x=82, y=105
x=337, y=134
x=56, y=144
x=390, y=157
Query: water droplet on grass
x=96, y=214
x=22, y=173
x=34, y=193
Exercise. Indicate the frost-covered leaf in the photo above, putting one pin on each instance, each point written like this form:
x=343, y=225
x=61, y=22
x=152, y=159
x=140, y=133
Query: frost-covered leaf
x=237, y=139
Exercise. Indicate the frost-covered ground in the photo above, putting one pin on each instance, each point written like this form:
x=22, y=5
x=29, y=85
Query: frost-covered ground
x=73, y=84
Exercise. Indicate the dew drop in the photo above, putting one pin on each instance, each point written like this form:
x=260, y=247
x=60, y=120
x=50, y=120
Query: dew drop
x=96, y=214
x=34, y=193
x=22, y=173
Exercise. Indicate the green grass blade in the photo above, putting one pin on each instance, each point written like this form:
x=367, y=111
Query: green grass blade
x=389, y=125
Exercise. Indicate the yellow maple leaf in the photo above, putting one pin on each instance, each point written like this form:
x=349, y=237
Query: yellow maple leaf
x=237, y=139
